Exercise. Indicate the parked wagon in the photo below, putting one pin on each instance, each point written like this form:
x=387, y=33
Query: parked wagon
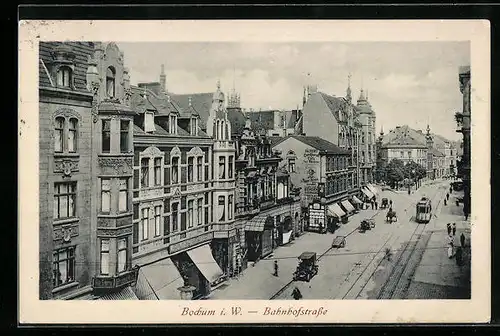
x=338, y=242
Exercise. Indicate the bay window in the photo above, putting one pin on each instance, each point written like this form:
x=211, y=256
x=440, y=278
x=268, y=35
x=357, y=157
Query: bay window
x=175, y=170
x=105, y=195
x=104, y=256
x=230, y=207
x=221, y=208
x=110, y=82
x=175, y=217
x=145, y=172
x=106, y=136
x=157, y=220
x=190, y=214
x=145, y=224
x=157, y=171
x=230, y=167
x=190, y=169
x=123, y=195
x=124, y=135
x=122, y=255
x=199, y=213
x=200, y=168
x=222, y=167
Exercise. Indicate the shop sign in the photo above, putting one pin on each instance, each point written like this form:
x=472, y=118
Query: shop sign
x=185, y=244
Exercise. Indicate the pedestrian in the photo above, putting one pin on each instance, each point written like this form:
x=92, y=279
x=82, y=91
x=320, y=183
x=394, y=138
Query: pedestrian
x=390, y=203
x=445, y=202
x=297, y=295
x=376, y=205
x=458, y=256
x=276, y=268
x=320, y=227
x=448, y=228
x=447, y=196
x=462, y=239
x=454, y=229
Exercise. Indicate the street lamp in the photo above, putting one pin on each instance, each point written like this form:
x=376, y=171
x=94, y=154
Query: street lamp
x=414, y=177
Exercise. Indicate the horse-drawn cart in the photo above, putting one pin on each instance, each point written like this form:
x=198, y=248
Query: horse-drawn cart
x=391, y=216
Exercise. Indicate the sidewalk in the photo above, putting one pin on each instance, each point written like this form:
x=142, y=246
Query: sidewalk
x=258, y=283
x=437, y=276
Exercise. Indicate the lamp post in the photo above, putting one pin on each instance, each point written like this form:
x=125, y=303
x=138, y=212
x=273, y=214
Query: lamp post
x=414, y=177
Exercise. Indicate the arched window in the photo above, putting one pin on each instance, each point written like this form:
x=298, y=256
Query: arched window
x=59, y=134
x=110, y=82
x=72, y=135
x=64, y=76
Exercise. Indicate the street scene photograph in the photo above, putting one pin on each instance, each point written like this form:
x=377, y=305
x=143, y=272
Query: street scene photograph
x=254, y=170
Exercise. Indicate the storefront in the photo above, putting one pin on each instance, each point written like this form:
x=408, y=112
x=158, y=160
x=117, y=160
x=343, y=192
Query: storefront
x=347, y=207
x=335, y=216
x=259, y=237
x=316, y=218
x=368, y=195
x=285, y=231
x=373, y=189
x=158, y=280
x=356, y=202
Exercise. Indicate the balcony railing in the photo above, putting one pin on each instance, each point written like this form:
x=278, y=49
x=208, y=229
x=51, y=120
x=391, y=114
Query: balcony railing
x=116, y=281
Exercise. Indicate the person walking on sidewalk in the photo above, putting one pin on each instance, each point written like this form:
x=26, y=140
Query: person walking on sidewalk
x=447, y=196
x=445, y=202
x=454, y=229
x=297, y=295
x=448, y=228
x=462, y=239
x=276, y=268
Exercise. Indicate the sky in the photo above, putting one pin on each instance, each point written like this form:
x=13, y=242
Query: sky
x=408, y=83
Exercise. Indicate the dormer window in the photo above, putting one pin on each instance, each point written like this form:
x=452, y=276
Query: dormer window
x=64, y=76
x=110, y=82
x=194, y=126
x=149, y=122
x=173, y=124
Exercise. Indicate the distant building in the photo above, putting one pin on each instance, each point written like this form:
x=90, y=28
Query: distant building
x=274, y=122
x=322, y=170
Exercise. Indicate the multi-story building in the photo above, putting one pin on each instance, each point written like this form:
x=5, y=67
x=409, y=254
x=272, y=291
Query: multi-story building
x=183, y=202
x=85, y=172
x=267, y=210
x=367, y=143
x=464, y=124
x=326, y=175
x=334, y=119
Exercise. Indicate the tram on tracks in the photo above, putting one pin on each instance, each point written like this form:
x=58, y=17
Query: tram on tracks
x=424, y=211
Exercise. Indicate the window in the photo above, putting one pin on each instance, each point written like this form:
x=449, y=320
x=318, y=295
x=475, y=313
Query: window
x=199, y=168
x=157, y=171
x=72, y=135
x=104, y=256
x=194, y=126
x=230, y=167
x=144, y=224
x=175, y=217
x=64, y=200
x=173, y=124
x=190, y=214
x=199, y=214
x=291, y=165
x=145, y=172
x=59, y=134
x=149, y=122
x=64, y=76
x=106, y=136
x=124, y=135
x=190, y=169
x=63, y=266
x=230, y=208
x=175, y=170
x=222, y=166
x=122, y=255
x=221, y=206
x=157, y=220
x=123, y=200
x=110, y=82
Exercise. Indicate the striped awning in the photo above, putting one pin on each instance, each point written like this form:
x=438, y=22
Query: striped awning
x=335, y=210
x=372, y=189
x=348, y=206
x=356, y=200
x=124, y=294
x=256, y=224
x=367, y=192
x=159, y=281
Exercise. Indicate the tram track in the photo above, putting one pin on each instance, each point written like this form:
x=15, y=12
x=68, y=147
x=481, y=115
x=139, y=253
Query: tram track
x=374, y=262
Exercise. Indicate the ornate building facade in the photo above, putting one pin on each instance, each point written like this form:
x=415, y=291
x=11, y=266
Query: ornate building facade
x=85, y=172
x=463, y=119
x=367, y=143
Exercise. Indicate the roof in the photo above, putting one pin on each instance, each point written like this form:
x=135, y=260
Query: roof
x=200, y=102
x=334, y=103
x=237, y=119
x=307, y=255
x=404, y=136
x=317, y=143
x=435, y=152
x=362, y=104
x=262, y=120
x=158, y=103
x=81, y=50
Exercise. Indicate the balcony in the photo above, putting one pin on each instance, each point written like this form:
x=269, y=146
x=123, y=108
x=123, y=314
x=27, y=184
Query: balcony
x=116, y=281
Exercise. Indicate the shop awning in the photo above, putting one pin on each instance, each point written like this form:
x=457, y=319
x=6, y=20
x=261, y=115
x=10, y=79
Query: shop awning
x=159, y=281
x=348, y=206
x=287, y=236
x=203, y=259
x=256, y=224
x=372, y=189
x=367, y=192
x=356, y=200
x=335, y=210
x=125, y=294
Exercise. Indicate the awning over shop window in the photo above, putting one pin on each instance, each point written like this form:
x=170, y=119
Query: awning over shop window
x=335, y=210
x=348, y=206
x=367, y=192
x=372, y=189
x=203, y=259
x=124, y=294
x=356, y=200
x=159, y=281
x=286, y=237
x=256, y=224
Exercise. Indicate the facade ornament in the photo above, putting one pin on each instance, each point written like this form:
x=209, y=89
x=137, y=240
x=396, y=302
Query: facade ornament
x=66, y=167
x=120, y=165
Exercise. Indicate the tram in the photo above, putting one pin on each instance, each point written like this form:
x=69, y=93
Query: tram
x=424, y=211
